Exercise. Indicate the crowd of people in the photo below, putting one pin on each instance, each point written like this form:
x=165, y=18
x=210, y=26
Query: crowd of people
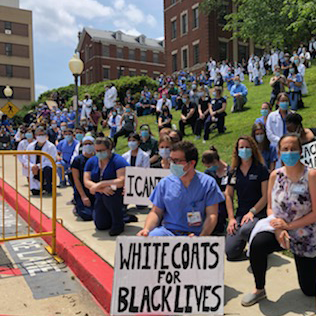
x=275, y=188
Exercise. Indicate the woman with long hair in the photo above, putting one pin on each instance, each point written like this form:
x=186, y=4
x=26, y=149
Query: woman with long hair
x=249, y=178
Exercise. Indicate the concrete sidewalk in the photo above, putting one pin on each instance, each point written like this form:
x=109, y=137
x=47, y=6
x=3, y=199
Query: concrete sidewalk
x=284, y=295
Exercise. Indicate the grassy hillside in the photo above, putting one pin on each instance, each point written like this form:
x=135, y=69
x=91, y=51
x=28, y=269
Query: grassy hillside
x=238, y=123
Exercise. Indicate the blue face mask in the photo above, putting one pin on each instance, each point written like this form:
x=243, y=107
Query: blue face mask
x=114, y=113
x=290, y=158
x=212, y=169
x=132, y=145
x=177, y=170
x=164, y=153
x=88, y=149
x=264, y=112
x=63, y=128
x=69, y=138
x=184, y=100
x=145, y=134
x=291, y=70
x=296, y=61
x=237, y=83
x=284, y=105
x=245, y=153
x=127, y=110
x=28, y=135
x=79, y=137
x=102, y=155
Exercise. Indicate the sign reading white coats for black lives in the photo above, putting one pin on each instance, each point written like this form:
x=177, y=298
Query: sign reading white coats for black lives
x=140, y=182
x=309, y=154
x=168, y=276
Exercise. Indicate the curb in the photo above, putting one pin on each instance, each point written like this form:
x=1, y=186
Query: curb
x=95, y=274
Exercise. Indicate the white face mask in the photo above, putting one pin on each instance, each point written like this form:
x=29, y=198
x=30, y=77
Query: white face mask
x=41, y=138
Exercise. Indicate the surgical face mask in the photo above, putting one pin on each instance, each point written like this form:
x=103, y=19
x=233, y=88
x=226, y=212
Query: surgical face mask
x=177, y=170
x=102, y=155
x=164, y=97
x=245, y=153
x=164, y=153
x=259, y=138
x=95, y=108
x=54, y=125
x=296, y=61
x=277, y=74
x=79, y=137
x=63, y=128
x=193, y=86
x=213, y=168
x=184, y=100
x=264, y=112
x=128, y=110
x=41, y=138
x=291, y=70
x=132, y=145
x=284, y=105
x=237, y=83
x=145, y=134
x=290, y=158
x=114, y=113
x=28, y=135
x=88, y=149
x=69, y=138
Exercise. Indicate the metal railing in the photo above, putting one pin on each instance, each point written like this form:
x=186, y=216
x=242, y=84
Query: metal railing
x=27, y=215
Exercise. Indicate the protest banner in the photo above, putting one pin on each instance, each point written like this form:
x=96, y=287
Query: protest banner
x=140, y=182
x=309, y=154
x=168, y=276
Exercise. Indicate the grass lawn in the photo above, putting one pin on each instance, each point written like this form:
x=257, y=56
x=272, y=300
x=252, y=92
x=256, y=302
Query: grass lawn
x=238, y=123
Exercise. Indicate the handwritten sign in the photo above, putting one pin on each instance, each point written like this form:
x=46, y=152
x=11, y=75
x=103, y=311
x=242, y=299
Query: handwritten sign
x=309, y=154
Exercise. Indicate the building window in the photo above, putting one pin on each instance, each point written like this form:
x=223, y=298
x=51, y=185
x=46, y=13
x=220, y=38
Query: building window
x=91, y=74
x=143, y=55
x=106, y=73
x=196, y=54
x=222, y=51
x=184, y=22
x=173, y=2
x=132, y=73
x=156, y=58
x=174, y=62
x=195, y=17
x=7, y=27
x=90, y=52
x=174, y=29
x=105, y=51
x=9, y=70
x=185, y=58
x=120, y=72
x=8, y=49
x=223, y=11
x=87, y=76
x=131, y=54
x=143, y=72
x=119, y=52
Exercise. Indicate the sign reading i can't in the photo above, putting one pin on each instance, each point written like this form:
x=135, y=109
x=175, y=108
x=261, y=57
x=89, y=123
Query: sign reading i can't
x=168, y=276
x=309, y=154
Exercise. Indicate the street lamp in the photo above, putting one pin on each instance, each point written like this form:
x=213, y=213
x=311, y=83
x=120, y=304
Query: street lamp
x=76, y=67
x=8, y=92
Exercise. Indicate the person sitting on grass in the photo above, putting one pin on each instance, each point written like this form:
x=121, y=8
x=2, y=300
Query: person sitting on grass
x=239, y=92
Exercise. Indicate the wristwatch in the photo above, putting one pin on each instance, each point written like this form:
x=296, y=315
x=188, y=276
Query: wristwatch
x=253, y=211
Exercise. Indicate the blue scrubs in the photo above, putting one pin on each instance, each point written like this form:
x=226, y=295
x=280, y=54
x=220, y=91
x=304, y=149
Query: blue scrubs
x=71, y=116
x=171, y=196
x=108, y=210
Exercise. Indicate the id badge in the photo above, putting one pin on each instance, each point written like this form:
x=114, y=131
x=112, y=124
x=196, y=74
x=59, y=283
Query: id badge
x=298, y=189
x=131, y=117
x=194, y=218
x=224, y=181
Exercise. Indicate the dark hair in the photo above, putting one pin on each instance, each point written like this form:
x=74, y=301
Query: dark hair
x=164, y=138
x=180, y=135
x=209, y=156
x=134, y=135
x=268, y=104
x=81, y=129
x=146, y=125
x=68, y=130
x=165, y=108
x=295, y=68
x=290, y=135
x=106, y=141
x=189, y=149
x=266, y=142
x=280, y=95
x=294, y=118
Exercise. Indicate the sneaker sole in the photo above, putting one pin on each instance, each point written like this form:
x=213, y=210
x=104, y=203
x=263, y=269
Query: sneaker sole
x=253, y=302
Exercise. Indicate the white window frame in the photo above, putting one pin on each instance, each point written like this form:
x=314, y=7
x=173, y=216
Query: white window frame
x=174, y=19
x=188, y=59
x=197, y=42
x=107, y=67
x=187, y=22
x=196, y=6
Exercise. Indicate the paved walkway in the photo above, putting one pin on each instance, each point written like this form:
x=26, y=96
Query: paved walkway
x=284, y=296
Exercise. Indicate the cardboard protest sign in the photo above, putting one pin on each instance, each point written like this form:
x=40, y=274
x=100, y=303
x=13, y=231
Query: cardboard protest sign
x=309, y=154
x=168, y=276
x=140, y=182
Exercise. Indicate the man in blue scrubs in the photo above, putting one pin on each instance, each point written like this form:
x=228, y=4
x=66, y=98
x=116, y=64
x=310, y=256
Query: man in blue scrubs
x=186, y=201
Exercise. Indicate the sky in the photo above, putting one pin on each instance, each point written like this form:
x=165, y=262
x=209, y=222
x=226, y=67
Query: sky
x=56, y=24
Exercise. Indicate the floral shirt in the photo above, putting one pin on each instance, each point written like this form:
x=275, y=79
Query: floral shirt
x=291, y=201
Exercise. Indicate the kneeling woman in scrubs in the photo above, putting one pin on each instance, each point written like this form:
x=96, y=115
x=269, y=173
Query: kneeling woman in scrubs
x=104, y=176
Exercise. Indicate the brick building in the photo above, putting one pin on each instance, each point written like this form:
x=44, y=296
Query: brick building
x=110, y=55
x=16, y=53
x=191, y=37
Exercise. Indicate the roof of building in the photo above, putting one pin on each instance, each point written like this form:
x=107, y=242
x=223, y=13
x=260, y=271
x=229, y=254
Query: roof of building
x=118, y=37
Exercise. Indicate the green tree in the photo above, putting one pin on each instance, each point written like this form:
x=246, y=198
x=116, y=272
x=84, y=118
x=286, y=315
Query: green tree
x=269, y=22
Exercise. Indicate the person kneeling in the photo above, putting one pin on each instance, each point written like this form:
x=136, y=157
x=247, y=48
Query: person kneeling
x=186, y=201
x=83, y=198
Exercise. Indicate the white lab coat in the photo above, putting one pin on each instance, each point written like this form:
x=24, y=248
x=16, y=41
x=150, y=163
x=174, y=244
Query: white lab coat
x=250, y=70
x=274, y=127
x=48, y=148
x=301, y=69
x=159, y=104
x=274, y=60
x=86, y=109
x=262, y=69
x=22, y=158
x=224, y=70
x=117, y=122
x=142, y=158
x=110, y=97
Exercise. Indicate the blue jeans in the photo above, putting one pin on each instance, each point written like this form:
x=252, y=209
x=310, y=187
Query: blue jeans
x=294, y=97
x=66, y=166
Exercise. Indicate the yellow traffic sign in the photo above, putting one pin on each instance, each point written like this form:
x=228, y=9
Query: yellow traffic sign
x=10, y=109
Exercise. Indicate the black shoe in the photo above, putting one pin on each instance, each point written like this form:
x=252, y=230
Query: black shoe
x=116, y=231
x=130, y=219
x=62, y=186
